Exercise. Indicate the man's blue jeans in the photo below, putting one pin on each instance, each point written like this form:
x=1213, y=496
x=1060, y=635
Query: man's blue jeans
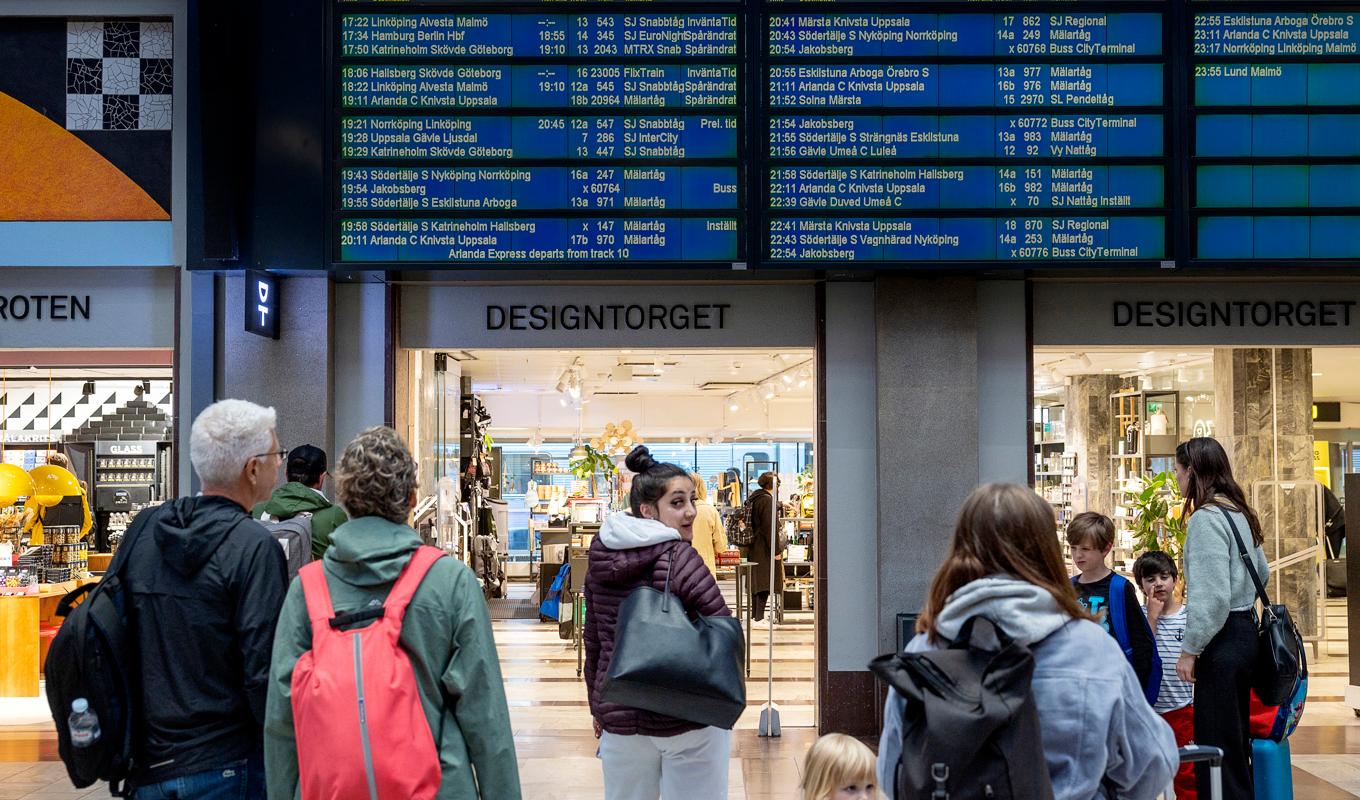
x=239, y=780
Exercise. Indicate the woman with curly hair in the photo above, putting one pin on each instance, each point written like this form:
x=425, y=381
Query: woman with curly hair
x=445, y=632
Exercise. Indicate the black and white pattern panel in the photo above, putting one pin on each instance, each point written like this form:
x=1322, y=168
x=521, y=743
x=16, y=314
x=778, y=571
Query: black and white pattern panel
x=119, y=75
x=30, y=409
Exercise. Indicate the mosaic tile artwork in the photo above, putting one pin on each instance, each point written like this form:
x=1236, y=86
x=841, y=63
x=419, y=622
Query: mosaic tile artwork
x=119, y=75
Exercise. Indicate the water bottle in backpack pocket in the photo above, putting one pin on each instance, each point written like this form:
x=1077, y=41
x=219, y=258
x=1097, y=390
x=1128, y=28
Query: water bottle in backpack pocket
x=83, y=724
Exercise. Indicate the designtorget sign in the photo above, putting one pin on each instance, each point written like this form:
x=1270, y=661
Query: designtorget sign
x=1233, y=313
x=1152, y=314
x=608, y=316
x=611, y=317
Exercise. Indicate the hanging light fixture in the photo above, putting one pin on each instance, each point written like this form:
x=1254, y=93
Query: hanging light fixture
x=580, y=451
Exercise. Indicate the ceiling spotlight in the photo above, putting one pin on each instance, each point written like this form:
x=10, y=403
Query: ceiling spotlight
x=1084, y=361
x=787, y=378
x=734, y=406
x=563, y=400
x=770, y=391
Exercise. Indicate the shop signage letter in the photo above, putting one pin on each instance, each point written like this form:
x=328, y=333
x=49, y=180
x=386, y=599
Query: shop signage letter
x=262, y=304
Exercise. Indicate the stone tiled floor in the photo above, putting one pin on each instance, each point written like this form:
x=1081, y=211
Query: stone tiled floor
x=556, y=747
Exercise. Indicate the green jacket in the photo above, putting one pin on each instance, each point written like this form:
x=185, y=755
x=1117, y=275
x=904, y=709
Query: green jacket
x=447, y=635
x=292, y=499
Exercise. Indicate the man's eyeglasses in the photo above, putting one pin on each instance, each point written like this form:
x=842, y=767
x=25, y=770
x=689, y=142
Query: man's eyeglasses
x=280, y=453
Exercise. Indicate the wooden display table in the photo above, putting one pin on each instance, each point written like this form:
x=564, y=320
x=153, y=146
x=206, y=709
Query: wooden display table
x=21, y=648
x=99, y=562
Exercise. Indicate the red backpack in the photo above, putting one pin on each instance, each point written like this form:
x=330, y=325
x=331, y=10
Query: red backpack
x=361, y=731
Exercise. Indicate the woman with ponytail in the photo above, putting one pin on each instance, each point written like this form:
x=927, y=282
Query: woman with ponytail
x=648, y=755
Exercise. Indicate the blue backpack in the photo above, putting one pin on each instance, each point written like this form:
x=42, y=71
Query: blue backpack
x=1119, y=626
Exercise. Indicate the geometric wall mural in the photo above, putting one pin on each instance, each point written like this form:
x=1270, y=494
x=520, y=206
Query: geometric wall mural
x=31, y=408
x=119, y=75
x=86, y=114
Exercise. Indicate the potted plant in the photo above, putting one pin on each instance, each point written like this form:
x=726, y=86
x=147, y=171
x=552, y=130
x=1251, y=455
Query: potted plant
x=1157, y=522
x=590, y=463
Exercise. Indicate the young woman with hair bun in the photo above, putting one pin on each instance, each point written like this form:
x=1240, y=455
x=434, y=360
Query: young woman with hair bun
x=646, y=755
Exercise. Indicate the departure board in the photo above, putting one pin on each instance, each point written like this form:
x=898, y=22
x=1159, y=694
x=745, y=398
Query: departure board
x=1276, y=167
x=471, y=136
x=924, y=137
x=812, y=134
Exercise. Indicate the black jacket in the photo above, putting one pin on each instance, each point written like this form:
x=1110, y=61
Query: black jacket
x=207, y=583
x=763, y=509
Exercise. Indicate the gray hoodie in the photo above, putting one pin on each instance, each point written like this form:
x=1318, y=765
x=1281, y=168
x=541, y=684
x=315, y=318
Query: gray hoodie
x=1096, y=724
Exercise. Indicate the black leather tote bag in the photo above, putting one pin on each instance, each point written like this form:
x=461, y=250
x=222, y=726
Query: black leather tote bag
x=1280, y=659
x=667, y=664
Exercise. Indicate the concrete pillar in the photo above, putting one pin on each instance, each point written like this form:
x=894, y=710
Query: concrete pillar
x=360, y=360
x=292, y=373
x=927, y=433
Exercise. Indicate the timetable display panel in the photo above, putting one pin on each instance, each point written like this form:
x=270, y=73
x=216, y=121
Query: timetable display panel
x=1016, y=136
x=485, y=134
x=1275, y=172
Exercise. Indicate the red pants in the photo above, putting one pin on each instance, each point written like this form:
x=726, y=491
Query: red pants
x=1182, y=722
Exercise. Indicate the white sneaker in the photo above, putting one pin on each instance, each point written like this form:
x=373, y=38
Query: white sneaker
x=763, y=624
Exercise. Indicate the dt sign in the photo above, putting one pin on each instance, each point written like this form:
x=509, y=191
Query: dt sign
x=262, y=304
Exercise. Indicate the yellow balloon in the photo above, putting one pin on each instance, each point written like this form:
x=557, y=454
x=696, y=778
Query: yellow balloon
x=51, y=483
x=14, y=483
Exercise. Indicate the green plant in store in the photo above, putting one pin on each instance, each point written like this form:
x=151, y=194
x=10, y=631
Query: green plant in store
x=1157, y=522
x=592, y=462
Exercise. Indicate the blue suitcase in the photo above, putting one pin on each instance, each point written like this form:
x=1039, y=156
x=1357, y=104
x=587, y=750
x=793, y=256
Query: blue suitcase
x=1271, y=770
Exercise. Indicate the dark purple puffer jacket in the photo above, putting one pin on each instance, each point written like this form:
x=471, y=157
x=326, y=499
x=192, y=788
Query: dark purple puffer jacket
x=612, y=576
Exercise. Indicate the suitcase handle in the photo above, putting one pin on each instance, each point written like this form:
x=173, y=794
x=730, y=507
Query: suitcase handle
x=1196, y=753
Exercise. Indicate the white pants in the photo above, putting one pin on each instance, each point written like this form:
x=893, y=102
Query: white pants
x=691, y=766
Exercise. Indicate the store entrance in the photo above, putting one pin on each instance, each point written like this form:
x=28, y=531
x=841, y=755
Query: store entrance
x=522, y=454
x=1107, y=422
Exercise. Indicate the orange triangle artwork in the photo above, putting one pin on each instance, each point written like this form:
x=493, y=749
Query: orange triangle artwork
x=48, y=174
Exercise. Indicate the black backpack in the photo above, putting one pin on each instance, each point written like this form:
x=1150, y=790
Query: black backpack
x=971, y=728
x=94, y=656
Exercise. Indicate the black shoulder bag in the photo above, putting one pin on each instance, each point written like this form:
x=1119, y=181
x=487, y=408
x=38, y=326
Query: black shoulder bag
x=1280, y=660
x=668, y=665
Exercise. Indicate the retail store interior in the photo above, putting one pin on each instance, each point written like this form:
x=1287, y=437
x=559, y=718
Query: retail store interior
x=85, y=444
x=1106, y=423
x=522, y=455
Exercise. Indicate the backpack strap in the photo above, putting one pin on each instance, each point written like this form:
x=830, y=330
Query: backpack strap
x=1119, y=624
x=318, y=596
x=1117, y=604
x=408, y=581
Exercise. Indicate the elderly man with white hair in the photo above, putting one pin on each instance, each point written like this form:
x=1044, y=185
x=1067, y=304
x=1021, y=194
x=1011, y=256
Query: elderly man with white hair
x=207, y=583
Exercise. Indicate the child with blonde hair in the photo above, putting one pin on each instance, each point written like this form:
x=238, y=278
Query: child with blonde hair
x=840, y=767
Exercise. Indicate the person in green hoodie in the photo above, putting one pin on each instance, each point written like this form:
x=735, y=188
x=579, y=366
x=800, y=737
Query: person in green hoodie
x=306, y=472
x=446, y=631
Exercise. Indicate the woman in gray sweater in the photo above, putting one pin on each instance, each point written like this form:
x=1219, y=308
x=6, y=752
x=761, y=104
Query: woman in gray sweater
x=1220, y=631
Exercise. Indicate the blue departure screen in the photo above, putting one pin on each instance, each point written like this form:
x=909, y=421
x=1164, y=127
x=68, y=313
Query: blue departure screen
x=1277, y=134
x=811, y=133
x=475, y=136
x=934, y=137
